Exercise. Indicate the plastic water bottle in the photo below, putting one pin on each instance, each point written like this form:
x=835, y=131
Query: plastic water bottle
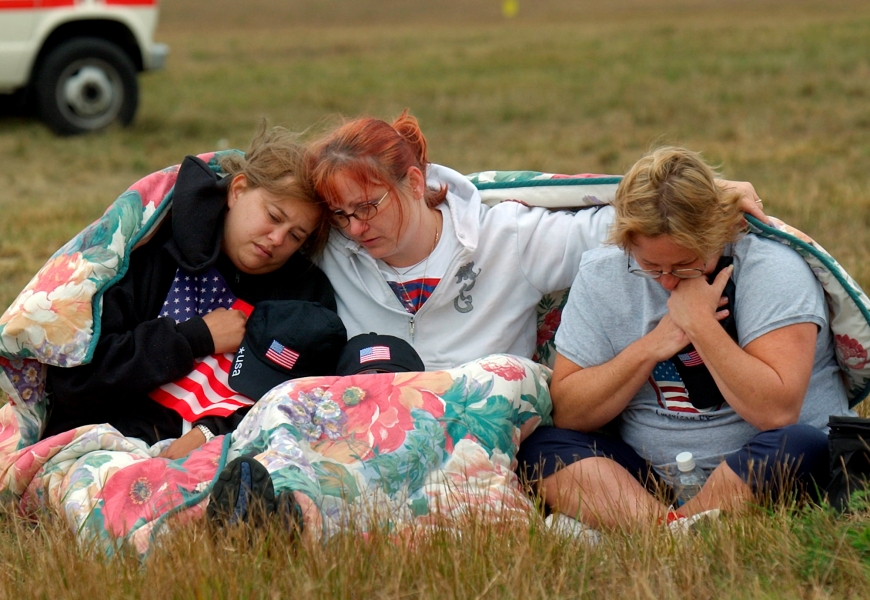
x=690, y=478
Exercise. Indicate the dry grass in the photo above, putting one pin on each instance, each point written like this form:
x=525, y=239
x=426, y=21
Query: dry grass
x=773, y=90
x=761, y=555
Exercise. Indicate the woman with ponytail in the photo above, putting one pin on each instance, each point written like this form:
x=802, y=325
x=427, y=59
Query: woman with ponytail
x=415, y=254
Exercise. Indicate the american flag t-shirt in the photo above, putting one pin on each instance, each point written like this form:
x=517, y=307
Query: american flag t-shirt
x=671, y=392
x=373, y=353
x=281, y=355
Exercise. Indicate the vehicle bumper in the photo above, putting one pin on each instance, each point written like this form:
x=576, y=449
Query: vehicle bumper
x=156, y=57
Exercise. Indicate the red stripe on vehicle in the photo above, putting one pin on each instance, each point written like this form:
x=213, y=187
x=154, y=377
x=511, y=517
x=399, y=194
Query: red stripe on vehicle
x=33, y=4
x=130, y=2
x=13, y=4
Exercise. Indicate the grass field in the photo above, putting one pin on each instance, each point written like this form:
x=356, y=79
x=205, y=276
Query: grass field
x=773, y=91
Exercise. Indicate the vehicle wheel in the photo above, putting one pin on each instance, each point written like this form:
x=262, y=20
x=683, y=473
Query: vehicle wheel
x=85, y=84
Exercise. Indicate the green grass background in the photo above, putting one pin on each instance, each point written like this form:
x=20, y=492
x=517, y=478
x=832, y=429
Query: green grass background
x=773, y=91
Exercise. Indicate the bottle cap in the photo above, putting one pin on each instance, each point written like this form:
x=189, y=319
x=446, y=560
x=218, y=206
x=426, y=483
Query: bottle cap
x=685, y=462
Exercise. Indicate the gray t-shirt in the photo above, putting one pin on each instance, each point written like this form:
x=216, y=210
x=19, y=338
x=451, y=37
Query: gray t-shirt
x=609, y=308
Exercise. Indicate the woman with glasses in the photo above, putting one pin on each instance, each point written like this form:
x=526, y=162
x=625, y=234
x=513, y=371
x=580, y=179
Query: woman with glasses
x=708, y=341
x=415, y=254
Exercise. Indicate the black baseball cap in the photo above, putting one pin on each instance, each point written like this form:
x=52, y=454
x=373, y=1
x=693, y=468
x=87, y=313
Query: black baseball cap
x=286, y=339
x=376, y=352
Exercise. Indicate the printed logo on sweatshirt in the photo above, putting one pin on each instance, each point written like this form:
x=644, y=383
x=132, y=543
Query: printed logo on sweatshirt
x=463, y=302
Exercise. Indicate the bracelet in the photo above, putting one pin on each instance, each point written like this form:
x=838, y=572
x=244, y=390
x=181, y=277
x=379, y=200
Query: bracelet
x=206, y=432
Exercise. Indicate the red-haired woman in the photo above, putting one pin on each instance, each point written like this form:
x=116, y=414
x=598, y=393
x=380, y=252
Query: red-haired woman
x=415, y=254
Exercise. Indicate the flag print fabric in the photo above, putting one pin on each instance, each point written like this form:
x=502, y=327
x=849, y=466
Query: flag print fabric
x=413, y=294
x=196, y=295
x=205, y=391
x=670, y=390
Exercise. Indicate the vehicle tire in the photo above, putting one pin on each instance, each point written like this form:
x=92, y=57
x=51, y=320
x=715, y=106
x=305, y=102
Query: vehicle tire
x=86, y=84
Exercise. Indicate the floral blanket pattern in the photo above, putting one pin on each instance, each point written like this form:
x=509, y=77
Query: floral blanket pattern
x=403, y=449
x=407, y=448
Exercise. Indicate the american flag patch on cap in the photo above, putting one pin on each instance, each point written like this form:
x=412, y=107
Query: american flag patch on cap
x=373, y=353
x=280, y=354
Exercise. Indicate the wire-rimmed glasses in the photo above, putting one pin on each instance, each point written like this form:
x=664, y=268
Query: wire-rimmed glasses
x=656, y=273
x=364, y=212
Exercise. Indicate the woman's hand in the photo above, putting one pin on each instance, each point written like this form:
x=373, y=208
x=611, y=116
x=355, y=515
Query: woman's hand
x=750, y=203
x=227, y=329
x=666, y=339
x=184, y=445
x=695, y=302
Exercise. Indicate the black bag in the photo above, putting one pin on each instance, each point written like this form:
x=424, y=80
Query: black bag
x=849, y=443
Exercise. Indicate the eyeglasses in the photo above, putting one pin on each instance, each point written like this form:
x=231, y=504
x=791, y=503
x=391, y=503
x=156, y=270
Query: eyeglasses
x=656, y=273
x=364, y=212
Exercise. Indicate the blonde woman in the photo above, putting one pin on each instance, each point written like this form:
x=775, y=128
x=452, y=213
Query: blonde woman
x=688, y=336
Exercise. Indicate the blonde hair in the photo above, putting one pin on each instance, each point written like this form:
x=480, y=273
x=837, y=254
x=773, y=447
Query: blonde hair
x=278, y=162
x=672, y=191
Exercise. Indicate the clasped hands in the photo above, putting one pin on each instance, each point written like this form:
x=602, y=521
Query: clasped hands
x=694, y=304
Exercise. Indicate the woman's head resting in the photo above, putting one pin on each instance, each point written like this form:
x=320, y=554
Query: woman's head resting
x=272, y=210
x=382, y=167
x=672, y=192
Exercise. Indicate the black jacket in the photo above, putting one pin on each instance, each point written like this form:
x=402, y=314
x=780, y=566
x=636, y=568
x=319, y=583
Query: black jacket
x=138, y=350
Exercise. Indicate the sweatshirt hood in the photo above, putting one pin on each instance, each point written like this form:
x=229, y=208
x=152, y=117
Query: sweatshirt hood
x=199, y=204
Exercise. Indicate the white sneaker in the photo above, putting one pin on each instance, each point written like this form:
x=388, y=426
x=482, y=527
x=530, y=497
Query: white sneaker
x=568, y=527
x=684, y=525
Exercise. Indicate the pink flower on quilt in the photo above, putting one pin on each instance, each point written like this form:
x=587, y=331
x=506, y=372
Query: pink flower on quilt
x=372, y=415
x=32, y=458
x=56, y=305
x=548, y=328
x=851, y=353
x=506, y=368
x=202, y=463
x=57, y=272
x=145, y=489
x=378, y=407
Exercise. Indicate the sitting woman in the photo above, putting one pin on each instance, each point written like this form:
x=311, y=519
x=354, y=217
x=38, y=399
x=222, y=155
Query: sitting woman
x=651, y=351
x=239, y=234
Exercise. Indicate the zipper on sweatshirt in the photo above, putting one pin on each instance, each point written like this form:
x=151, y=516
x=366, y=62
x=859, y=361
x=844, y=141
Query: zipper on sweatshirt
x=411, y=328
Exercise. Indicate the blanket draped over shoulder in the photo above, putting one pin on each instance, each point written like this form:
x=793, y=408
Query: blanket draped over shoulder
x=403, y=450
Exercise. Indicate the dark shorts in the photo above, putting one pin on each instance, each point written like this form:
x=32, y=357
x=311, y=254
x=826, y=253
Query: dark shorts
x=796, y=455
x=549, y=449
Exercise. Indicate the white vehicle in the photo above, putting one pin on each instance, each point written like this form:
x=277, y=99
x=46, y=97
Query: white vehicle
x=77, y=60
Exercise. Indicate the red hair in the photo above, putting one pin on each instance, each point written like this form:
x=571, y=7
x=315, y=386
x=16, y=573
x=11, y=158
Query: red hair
x=372, y=152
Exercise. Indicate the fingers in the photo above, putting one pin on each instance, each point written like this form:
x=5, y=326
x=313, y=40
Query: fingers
x=721, y=281
x=754, y=208
x=750, y=202
x=227, y=328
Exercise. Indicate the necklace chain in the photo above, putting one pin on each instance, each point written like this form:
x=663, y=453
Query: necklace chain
x=416, y=306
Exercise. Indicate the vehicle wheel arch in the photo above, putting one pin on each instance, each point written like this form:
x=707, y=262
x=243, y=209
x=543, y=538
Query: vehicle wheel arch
x=110, y=30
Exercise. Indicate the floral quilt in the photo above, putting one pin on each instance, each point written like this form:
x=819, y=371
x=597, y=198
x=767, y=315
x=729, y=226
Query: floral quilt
x=394, y=449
